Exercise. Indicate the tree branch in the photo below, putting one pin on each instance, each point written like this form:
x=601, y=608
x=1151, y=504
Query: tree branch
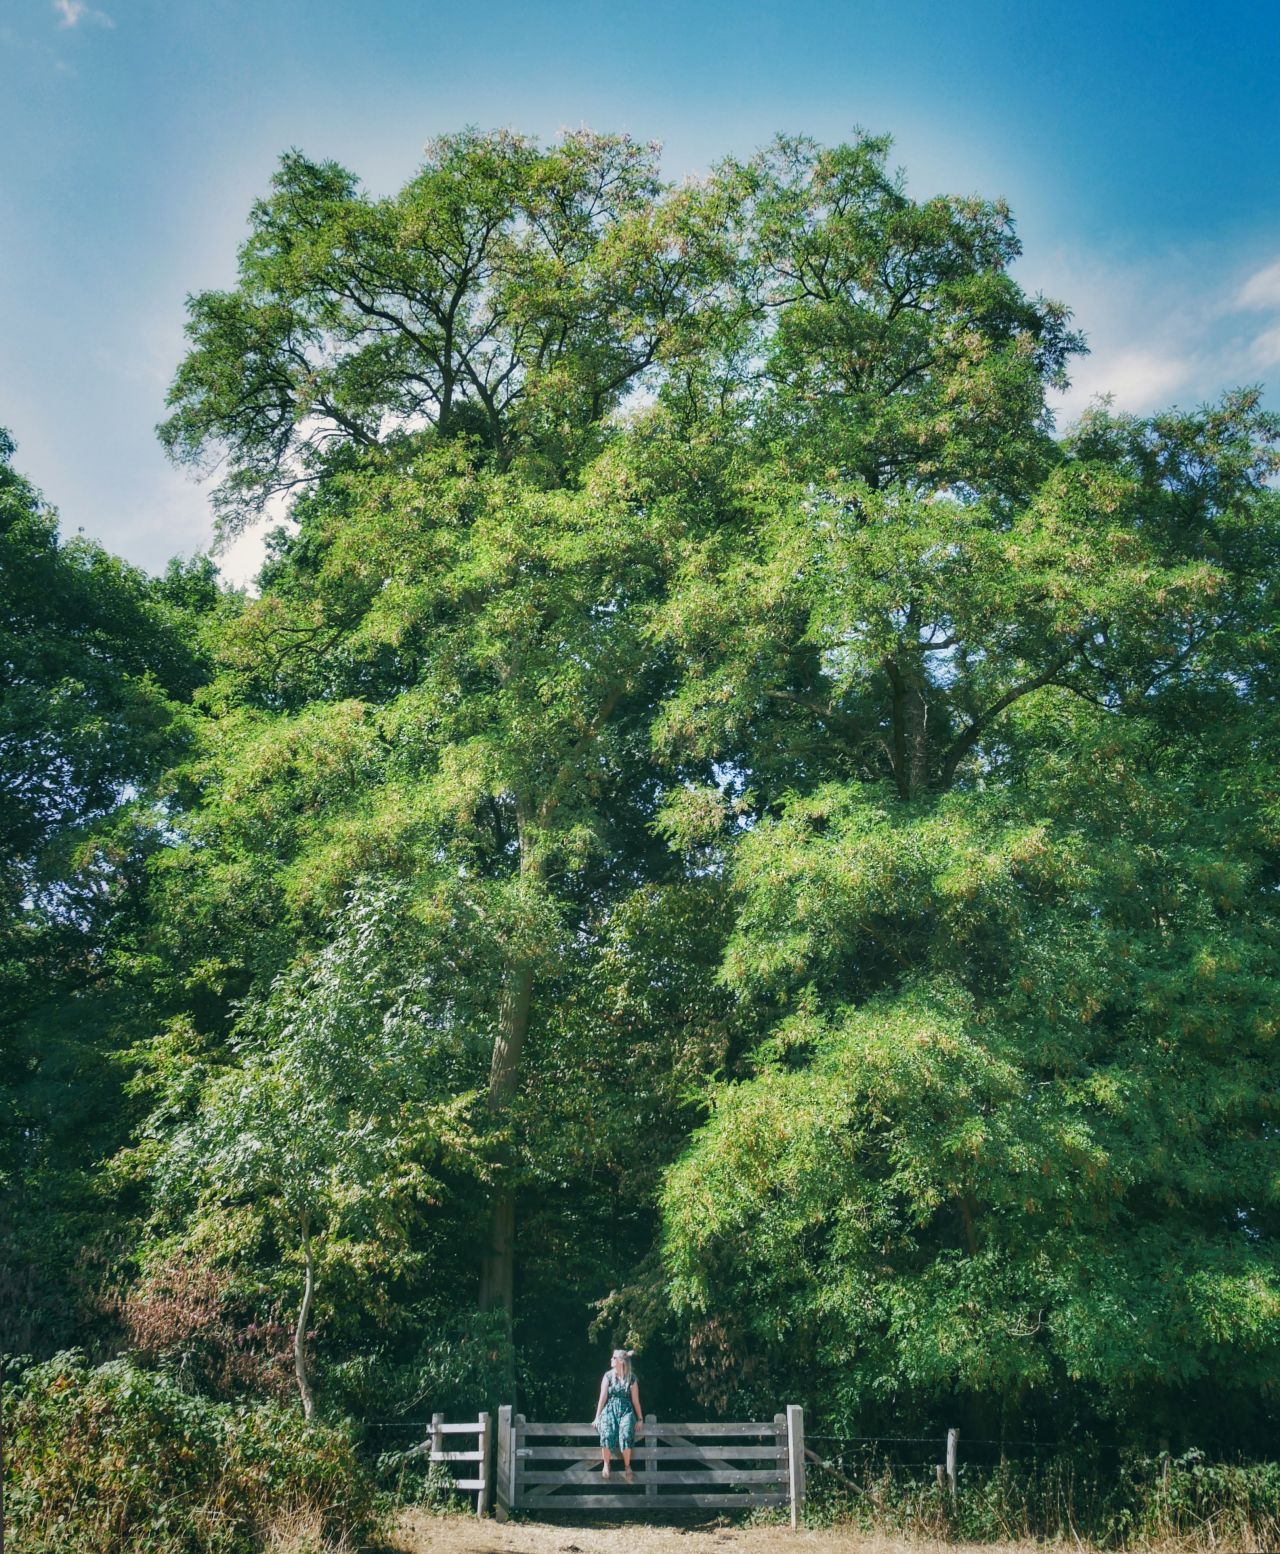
x=965, y=741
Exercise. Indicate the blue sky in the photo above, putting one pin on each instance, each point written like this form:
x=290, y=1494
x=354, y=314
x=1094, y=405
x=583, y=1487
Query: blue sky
x=1138, y=143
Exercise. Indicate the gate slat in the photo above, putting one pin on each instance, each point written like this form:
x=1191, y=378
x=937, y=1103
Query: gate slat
x=637, y=1501
x=713, y=1429
x=593, y=1475
x=716, y=1453
x=561, y=1429
x=733, y=1430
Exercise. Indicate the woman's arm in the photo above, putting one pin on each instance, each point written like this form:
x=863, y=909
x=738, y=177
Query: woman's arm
x=635, y=1403
x=604, y=1388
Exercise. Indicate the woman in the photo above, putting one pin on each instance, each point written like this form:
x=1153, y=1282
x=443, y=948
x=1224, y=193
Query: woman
x=619, y=1416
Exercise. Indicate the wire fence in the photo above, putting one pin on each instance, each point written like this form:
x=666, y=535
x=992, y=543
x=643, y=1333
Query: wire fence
x=841, y=1450
x=991, y=1452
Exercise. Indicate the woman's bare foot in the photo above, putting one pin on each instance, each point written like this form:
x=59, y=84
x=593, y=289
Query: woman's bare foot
x=631, y=1478
x=605, y=1470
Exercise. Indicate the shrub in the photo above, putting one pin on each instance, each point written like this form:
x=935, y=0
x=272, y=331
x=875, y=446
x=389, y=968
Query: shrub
x=182, y=1316
x=114, y=1457
x=1183, y=1503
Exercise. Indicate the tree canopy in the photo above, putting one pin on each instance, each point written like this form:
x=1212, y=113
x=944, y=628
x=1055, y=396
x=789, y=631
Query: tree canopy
x=721, y=826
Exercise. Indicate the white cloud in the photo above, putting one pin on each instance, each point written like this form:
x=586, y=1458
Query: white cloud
x=1266, y=348
x=1164, y=329
x=242, y=559
x=1139, y=378
x=1262, y=289
x=72, y=12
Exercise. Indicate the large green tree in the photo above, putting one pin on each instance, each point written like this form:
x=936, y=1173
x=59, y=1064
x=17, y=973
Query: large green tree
x=994, y=714
x=682, y=579
x=97, y=663
x=437, y=374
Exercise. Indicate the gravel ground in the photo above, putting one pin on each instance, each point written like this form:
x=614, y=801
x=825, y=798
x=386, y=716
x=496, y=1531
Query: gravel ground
x=420, y=1533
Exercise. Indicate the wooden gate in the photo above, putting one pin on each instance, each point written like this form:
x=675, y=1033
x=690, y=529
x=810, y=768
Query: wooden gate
x=434, y=1449
x=722, y=1467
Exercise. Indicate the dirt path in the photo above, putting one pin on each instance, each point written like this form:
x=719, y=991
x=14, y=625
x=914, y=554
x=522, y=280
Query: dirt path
x=420, y=1533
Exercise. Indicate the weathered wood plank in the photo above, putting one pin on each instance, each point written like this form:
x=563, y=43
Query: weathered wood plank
x=518, y=1427
x=457, y=1429
x=709, y=1476
x=468, y=1483
x=566, y=1454
x=580, y=1491
x=713, y=1476
x=457, y=1456
x=486, y=1464
x=585, y=1474
x=666, y=1453
x=715, y=1451
x=795, y=1460
x=561, y=1429
x=502, y=1466
x=783, y=1460
x=728, y=1500
x=735, y=1431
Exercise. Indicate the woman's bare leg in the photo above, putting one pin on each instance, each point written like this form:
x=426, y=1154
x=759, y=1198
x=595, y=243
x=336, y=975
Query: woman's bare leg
x=626, y=1462
x=606, y=1459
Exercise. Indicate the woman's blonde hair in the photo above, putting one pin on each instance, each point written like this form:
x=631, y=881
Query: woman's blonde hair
x=625, y=1355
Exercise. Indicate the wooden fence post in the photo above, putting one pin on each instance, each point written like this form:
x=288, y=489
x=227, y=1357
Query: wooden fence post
x=437, y=1437
x=518, y=1423
x=486, y=1453
x=953, y=1438
x=780, y=1425
x=502, y=1472
x=651, y=1464
x=795, y=1460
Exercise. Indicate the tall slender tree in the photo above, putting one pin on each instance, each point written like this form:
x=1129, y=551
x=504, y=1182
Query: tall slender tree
x=435, y=372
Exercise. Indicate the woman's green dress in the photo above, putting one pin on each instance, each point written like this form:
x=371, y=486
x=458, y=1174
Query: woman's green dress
x=617, y=1423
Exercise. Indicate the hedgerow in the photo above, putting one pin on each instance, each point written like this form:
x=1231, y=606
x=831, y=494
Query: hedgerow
x=113, y=1457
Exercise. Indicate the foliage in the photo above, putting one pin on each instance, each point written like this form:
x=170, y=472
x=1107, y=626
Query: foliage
x=1002, y=930
x=455, y=1370
x=113, y=1457
x=97, y=664
x=1143, y=1502
x=185, y=1315
x=343, y=1091
x=1012, y=1134
x=722, y=828
x=507, y=295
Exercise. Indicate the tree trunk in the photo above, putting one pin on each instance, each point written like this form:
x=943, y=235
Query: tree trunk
x=513, y=1023
x=497, y=1268
x=910, y=728
x=304, y=1316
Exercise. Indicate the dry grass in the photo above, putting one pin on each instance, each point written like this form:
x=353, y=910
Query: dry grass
x=419, y=1532
x=302, y=1532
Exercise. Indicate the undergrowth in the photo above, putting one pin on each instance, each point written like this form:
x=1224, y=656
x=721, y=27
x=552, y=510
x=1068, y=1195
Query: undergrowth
x=116, y=1457
x=1180, y=1502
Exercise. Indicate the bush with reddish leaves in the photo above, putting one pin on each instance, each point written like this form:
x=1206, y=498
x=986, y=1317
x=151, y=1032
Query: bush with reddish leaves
x=183, y=1316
